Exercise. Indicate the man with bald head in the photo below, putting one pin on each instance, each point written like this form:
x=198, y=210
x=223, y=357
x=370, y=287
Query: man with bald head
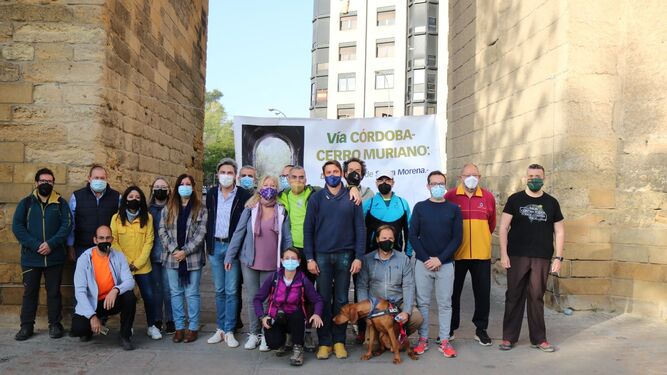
x=103, y=286
x=478, y=207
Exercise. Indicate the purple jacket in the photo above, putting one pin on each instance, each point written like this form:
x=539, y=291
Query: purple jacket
x=286, y=298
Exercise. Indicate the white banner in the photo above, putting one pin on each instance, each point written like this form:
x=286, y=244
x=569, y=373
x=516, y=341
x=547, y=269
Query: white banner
x=409, y=146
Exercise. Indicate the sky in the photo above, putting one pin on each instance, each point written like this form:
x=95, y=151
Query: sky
x=258, y=55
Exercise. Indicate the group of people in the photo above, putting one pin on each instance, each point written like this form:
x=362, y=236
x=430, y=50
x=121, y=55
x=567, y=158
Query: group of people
x=295, y=247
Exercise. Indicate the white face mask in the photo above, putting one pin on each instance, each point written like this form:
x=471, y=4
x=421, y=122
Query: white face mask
x=471, y=182
x=226, y=180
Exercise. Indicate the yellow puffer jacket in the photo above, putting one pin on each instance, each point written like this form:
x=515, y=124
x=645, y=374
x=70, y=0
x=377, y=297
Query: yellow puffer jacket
x=134, y=241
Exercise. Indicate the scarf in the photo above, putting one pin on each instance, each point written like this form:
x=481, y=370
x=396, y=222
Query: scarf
x=181, y=236
x=258, y=221
x=131, y=216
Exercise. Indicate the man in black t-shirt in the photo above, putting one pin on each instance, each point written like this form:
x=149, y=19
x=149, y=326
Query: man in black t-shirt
x=528, y=224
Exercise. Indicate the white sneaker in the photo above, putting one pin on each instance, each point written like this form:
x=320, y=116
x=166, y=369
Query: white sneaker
x=262, y=345
x=218, y=336
x=154, y=333
x=231, y=340
x=253, y=341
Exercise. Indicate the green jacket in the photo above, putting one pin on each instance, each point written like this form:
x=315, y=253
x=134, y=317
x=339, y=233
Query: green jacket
x=35, y=223
x=297, y=214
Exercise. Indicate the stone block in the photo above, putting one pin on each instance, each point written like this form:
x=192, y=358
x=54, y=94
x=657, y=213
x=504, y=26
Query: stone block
x=6, y=31
x=12, y=152
x=6, y=172
x=16, y=93
x=591, y=286
x=5, y=112
x=18, y=51
x=54, y=51
x=640, y=271
x=88, y=52
x=11, y=295
x=10, y=273
x=586, y=251
x=59, y=32
x=9, y=72
x=630, y=253
x=64, y=72
x=586, y=302
x=602, y=198
x=657, y=255
x=10, y=252
x=583, y=268
x=47, y=93
x=25, y=172
x=83, y=94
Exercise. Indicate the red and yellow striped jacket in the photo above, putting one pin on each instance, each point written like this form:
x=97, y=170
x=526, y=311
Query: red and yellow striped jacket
x=479, y=221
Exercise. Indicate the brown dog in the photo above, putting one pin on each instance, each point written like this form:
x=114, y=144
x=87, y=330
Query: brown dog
x=385, y=326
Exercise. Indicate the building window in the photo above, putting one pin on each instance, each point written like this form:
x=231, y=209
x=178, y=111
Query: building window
x=321, y=96
x=384, y=110
x=322, y=68
x=432, y=61
x=431, y=79
x=430, y=109
x=384, y=79
x=345, y=112
x=346, y=82
x=386, y=18
x=348, y=22
x=418, y=93
x=347, y=53
x=384, y=49
x=432, y=25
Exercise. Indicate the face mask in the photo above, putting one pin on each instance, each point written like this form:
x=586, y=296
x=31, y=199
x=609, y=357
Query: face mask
x=284, y=183
x=160, y=194
x=353, y=179
x=246, y=182
x=290, y=264
x=185, y=191
x=45, y=189
x=471, y=182
x=437, y=191
x=98, y=186
x=297, y=187
x=535, y=184
x=133, y=204
x=268, y=193
x=386, y=245
x=226, y=180
x=104, y=247
x=384, y=188
x=332, y=180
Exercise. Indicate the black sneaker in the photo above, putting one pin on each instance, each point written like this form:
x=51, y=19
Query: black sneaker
x=482, y=337
x=24, y=333
x=451, y=335
x=126, y=343
x=56, y=330
x=170, y=328
x=158, y=325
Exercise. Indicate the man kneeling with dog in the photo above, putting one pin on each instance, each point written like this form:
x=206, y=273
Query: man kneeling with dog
x=388, y=275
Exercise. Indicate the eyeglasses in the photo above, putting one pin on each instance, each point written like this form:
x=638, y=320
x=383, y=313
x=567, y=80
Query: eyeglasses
x=50, y=182
x=436, y=184
x=468, y=175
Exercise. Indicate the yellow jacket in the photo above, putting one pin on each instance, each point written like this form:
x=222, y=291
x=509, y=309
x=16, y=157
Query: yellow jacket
x=134, y=242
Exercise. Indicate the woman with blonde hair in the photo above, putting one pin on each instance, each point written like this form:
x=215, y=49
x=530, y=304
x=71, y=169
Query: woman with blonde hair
x=182, y=231
x=262, y=233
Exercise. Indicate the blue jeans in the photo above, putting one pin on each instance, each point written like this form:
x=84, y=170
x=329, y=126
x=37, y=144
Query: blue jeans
x=333, y=284
x=178, y=293
x=145, y=283
x=226, y=287
x=161, y=293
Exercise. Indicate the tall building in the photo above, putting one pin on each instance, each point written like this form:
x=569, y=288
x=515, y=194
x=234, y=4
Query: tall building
x=374, y=58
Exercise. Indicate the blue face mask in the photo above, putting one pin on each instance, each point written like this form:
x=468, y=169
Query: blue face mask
x=290, y=264
x=247, y=182
x=332, y=180
x=437, y=191
x=185, y=191
x=284, y=183
x=98, y=186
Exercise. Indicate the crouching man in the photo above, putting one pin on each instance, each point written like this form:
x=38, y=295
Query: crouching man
x=103, y=286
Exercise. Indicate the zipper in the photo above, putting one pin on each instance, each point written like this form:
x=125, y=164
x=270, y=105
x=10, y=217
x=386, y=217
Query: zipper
x=470, y=227
x=43, y=207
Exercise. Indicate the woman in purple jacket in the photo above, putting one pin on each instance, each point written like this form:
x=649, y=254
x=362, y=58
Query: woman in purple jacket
x=287, y=291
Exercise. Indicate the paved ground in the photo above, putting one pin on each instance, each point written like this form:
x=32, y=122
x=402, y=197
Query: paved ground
x=588, y=343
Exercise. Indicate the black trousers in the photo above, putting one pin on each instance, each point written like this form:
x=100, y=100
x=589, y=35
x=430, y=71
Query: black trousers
x=126, y=305
x=295, y=324
x=32, y=277
x=480, y=274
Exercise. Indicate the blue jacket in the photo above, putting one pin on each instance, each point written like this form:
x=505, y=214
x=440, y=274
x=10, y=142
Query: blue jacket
x=35, y=223
x=396, y=213
x=85, y=286
x=156, y=253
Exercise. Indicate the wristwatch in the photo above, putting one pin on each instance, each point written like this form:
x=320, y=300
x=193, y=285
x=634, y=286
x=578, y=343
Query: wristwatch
x=559, y=258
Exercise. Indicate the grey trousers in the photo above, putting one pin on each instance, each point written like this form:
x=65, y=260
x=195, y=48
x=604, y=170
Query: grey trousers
x=252, y=280
x=443, y=282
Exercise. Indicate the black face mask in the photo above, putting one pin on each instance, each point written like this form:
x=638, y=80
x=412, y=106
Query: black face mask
x=353, y=179
x=387, y=245
x=133, y=204
x=104, y=247
x=45, y=189
x=384, y=188
x=160, y=194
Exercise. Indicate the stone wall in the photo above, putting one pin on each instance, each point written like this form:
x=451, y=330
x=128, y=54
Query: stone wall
x=578, y=87
x=117, y=82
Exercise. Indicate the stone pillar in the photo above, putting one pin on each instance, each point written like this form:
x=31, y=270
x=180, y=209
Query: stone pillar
x=118, y=83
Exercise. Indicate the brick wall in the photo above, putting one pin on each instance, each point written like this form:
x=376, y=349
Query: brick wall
x=117, y=82
x=579, y=88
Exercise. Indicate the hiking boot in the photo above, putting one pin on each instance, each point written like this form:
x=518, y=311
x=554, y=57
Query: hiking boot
x=24, y=333
x=545, y=347
x=482, y=337
x=297, y=356
x=447, y=349
x=324, y=352
x=126, y=343
x=309, y=342
x=505, y=345
x=339, y=350
x=190, y=336
x=178, y=336
x=282, y=351
x=422, y=346
x=170, y=328
x=56, y=330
